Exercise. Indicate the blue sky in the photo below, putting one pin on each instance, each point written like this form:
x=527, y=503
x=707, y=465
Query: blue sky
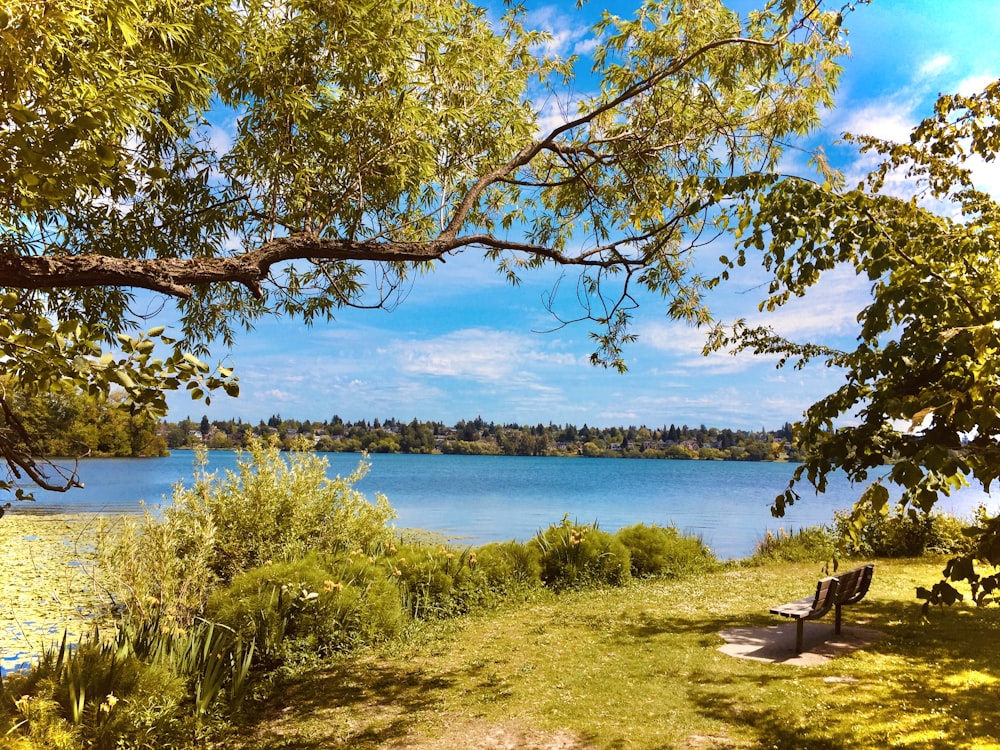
x=464, y=344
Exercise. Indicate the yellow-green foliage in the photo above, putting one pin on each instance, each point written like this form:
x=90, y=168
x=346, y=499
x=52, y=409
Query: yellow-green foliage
x=438, y=581
x=273, y=508
x=810, y=543
x=902, y=534
x=312, y=605
x=98, y=696
x=280, y=507
x=664, y=551
x=510, y=568
x=159, y=568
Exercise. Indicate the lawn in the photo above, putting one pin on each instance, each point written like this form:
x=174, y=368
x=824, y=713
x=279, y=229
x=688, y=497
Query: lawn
x=639, y=668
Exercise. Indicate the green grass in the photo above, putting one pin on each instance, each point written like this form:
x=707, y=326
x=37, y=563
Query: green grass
x=639, y=668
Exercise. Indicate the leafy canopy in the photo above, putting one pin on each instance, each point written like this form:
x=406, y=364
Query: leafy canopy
x=921, y=394
x=264, y=157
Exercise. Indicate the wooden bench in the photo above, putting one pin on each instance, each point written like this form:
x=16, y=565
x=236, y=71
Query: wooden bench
x=833, y=592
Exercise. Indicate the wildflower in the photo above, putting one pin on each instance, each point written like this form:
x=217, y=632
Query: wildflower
x=472, y=559
x=109, y=703
x=398, y=572
x=22, y=702
x=328, y=585
x=392, y=549
x=450, y=556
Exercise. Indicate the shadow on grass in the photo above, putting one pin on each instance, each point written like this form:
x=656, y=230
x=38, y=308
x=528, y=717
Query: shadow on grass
x=772, y=728
x=355, y=704
x=652, y=626
x=931, y=685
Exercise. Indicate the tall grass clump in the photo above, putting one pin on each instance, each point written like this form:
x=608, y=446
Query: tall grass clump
x=272, y=509
x=664, y=551
x=812, y=543
x=577, y=555
x=148, y=686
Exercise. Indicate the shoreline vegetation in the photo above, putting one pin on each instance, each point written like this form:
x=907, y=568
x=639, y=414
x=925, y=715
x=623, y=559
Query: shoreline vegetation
x=255, y=586
x=72, y=425
x=480, y=688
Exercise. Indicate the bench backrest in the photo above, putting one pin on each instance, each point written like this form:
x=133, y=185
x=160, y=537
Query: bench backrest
x=826, y=594
x=854, y=584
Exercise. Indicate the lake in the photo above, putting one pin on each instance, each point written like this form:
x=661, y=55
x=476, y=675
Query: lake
x=479, y=499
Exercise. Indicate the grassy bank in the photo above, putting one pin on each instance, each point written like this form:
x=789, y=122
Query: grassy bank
x=639, y=668
x=277, y=609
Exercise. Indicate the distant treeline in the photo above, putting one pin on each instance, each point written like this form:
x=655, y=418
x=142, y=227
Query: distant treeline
x=66, y=422
x=72, y=424
x=487, y=438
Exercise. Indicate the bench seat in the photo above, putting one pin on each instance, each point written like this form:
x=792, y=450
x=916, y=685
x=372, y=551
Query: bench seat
x=833, y=592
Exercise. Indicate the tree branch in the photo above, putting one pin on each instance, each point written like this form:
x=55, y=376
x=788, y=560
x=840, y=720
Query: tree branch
x=177, y=276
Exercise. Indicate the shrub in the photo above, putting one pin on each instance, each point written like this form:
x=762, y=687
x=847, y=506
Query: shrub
x=270, y=509
x=813, y=543
x=310, y=607
x=574, y=555
x=902, y=534
x=154, y=568
x=664, y=551
x=509, y=568
x=439, y=581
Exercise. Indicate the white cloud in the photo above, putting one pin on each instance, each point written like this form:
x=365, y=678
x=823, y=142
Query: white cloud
x=480, y=354
x=975, y=84
x=564, y=31
x=220, y=139
x=935, y=65
x=829, y=309
x=891, y=121
x=986, y=175
x=276, y=394
x=553, y=113
x=685, y=343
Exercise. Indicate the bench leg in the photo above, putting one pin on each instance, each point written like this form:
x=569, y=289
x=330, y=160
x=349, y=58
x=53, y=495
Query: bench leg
x=798, y=636
x=837, y=620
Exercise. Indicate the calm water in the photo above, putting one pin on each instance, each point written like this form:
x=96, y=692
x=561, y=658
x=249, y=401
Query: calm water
x=494, y=498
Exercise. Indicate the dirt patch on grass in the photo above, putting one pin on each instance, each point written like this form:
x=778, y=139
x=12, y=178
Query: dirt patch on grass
x=480, y=735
